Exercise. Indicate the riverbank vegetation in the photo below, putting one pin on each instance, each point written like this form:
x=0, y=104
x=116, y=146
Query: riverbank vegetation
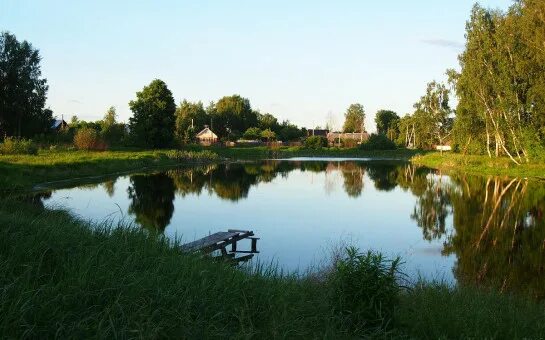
x=64, y=277
x=24, y=171
x=479, y=164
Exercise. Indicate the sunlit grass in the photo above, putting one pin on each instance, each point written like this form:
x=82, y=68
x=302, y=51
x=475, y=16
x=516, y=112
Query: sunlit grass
x=481, y=165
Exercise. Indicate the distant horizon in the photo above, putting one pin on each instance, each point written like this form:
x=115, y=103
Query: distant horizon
x=298, y=62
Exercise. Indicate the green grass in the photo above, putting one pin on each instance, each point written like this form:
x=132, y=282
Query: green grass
x=62, y=277
x=25, y=171
x=287, y=152
x=435, y=311
x=480, y=165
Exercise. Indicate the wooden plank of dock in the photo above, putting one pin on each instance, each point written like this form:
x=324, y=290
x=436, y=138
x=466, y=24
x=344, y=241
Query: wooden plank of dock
x=220, y=241
x=209, y=241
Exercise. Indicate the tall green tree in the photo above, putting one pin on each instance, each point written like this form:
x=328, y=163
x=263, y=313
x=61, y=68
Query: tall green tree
x=432, y=116
x=190, y=118
x=22, y=89
x=152, y=124
x=231, y=116
x=501, y=85
x=112, y=131
x=354, y=119
x=267, y=121
x=289, y=132
x=386, y=121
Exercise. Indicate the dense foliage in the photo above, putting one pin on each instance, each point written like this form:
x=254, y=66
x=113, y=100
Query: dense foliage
x=501, y=85
x=386, y=122
x=354, y=119
x=88, y=139
x=111, y=131
x=364, y=288
x=315, y=142
x=231, y=116
x=18, y=146
x=22, y=90
x=153, y=122
x=190, y=117
x=378, y=142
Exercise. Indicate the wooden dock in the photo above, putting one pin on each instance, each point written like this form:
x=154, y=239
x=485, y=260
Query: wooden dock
x=221, y=240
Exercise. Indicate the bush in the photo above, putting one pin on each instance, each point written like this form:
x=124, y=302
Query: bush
x=378, y=142
x=349, y=143
x=114, y=134
x=315, y=142
x=252, y=133
x=17, y=146
x=88, y=139
x=364, y=289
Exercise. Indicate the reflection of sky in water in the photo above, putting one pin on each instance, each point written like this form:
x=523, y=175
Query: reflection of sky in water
x=297, y=217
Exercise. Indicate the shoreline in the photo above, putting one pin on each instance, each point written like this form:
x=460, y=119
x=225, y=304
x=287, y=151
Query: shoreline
x=25, y=172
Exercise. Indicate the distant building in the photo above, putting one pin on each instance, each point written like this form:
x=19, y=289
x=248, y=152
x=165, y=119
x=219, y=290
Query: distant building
x=206, y=137
x=359, y=137
x=317, y=132
x=59, y=125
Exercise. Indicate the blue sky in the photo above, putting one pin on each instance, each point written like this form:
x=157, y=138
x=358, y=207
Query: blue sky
x=299, y=60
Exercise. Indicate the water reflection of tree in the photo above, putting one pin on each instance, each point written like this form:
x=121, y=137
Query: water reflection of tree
x=384, y=175
x=499, y=237
x=353, y=178
x=498, y=233
x=233, y=181
x=109, y=187
x=432, y=208
x=37, y=199
x=152, y=200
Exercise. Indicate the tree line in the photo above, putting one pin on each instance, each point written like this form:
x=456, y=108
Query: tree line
x=500, y=89
x=500, y=92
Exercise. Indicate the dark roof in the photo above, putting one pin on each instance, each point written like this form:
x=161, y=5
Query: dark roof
x=57, y=123
x=317, y=132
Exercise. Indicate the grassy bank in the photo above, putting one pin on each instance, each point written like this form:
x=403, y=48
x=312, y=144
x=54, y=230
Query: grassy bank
x=480, y=165
x=287, y=152
x=20, y=172
x=61, y=277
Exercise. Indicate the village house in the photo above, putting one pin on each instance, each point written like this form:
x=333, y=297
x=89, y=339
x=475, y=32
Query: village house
x=317, y=132
x=206, y=136
x=59, y=125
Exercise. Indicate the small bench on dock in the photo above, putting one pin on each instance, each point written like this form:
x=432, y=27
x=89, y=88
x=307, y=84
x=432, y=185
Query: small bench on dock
x=221, y=240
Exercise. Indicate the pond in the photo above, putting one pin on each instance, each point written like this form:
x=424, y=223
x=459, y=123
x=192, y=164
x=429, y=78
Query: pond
x=459, y=229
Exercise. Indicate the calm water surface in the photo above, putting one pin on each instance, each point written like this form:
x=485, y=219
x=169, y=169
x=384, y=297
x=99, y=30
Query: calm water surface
x=465, y=229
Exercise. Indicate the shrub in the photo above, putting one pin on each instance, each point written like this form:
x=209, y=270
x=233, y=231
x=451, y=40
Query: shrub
x=315, y=142
x=364, y=288
x=349, y=142
x=252, y=133
x=18, y=146
x=378, y=142
x=88, y=139
x=114, y=134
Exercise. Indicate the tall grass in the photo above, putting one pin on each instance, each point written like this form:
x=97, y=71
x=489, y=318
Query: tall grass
x=61, y=277
x=437, y=311
x=480, y=164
